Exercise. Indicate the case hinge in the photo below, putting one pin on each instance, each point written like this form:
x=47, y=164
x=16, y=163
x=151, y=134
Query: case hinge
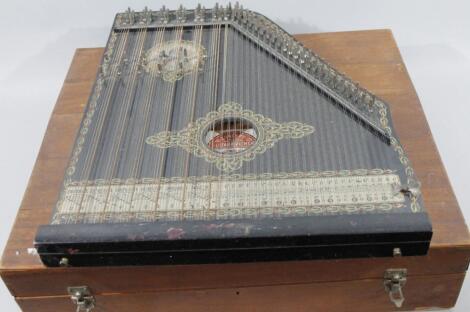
x=394, y=280
x=81, y=296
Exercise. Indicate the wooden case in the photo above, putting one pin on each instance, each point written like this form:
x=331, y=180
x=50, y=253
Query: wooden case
x=433, y=281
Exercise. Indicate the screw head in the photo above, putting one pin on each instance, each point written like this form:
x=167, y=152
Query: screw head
x=396, y=252
x=64, y=262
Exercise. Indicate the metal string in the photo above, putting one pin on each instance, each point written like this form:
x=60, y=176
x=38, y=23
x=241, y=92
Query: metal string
x=169, y=99
x=257, y=95
x=149, y=84
x=112, y=165
x=213, y=98
x=235, y=122
x=198, y=37
x=263, y=109
x=223, y=100
x=264, y=103
x=289, y=75
x=97, y=133
x=218, y=103
x=277, y=94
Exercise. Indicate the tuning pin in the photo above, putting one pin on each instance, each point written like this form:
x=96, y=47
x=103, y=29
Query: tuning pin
x=146, y=16
x=285, y=40
x=324, y=70
x=326, y=75
x=181, y=14
x=130, y=16
x=367, y=99
x=225, y=13
x=250, y=23
x=313, y=60
x=276, y=42
x=236, y=11
x=250, y=18
x=357, y=93
x=267, y=35
x=358, y=98
x=257, y=27
x=339, y=83
x=303, y=59
x=333, y=80
x=279, y=45
x=228, y=12
x=352, y=91
x=316, y=67
x=285, y=47
x=295, y=55
x=295, y=45
x=306, y=55
x=215, y=12
x=244, y=17
x=361, y=96
x=301, y=54
x=273, y=39
x=202, y=17
x=321, y=71
x=263, y=30
x=372, y=102
x=197, y=13
x=164, y=15
x=347, y=89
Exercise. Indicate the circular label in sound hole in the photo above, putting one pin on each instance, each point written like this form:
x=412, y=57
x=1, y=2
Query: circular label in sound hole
x=231, y=135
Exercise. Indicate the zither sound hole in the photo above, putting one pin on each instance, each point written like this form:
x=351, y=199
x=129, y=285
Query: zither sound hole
x=231, y=135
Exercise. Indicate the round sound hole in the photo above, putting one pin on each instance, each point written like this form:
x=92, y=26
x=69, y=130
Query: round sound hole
x=230, y=135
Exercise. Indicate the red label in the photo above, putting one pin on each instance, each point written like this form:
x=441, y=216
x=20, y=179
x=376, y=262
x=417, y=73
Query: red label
x=231, y=140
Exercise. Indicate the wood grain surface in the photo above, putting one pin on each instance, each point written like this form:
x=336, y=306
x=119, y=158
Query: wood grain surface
x=369, y=57
x=422, y=293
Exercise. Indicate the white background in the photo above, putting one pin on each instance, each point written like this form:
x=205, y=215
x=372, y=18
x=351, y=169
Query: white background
x=38, y=39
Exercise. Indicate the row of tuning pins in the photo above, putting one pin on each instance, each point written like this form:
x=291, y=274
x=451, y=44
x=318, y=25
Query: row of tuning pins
x=307, y=60
x=218, y=13
x=130, y=17
x=295, y=51
x=304, y=58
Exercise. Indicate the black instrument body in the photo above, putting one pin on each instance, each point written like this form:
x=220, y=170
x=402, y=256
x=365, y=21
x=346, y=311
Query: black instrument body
x=212, y=136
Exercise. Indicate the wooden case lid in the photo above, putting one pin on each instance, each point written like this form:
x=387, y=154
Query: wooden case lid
x=369, y=57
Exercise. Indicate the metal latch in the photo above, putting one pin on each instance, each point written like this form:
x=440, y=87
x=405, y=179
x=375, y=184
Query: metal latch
x=394, y=280
x=81, y=296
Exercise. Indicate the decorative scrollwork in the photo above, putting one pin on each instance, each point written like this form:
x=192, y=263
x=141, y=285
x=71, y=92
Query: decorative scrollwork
x=269, y=133
x=174, y=59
